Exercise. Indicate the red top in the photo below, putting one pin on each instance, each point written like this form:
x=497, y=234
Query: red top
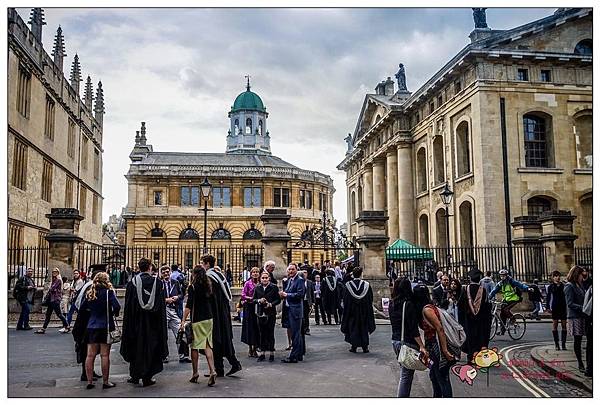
x=428, y=330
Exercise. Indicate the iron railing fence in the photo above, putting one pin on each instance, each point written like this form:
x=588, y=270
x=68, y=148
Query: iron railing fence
x=20, y=259
x=528, y=262
x=119, y=258
x=584, y=256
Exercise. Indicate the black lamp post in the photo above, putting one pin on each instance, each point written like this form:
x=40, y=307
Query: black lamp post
x=446, y=196
x=205, y=189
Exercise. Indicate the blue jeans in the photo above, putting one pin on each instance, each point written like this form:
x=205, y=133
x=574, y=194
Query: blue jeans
x=72, y=310
x=24, y=317
x=440, y=380
x=406, y=375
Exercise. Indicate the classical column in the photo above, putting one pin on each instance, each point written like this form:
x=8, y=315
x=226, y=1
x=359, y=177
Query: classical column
x=367, y=188
x=392, y=194
x=373, y=240
x=379, y=185
x=63, y=240
x=276, y=238
x=406, y=195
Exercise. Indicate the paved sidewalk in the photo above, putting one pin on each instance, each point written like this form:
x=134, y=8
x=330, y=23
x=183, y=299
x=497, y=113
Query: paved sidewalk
x=562, y=364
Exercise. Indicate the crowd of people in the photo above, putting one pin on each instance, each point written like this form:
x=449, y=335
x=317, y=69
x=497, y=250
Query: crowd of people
x=417, y=321
x=196, y=311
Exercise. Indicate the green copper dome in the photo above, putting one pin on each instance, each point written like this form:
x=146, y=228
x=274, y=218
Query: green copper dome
x=248, y=100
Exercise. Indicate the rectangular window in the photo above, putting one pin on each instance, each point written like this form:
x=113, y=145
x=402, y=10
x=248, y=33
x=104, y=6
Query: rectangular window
x=42, y=254
x=84, y=153
x=47, y=181
x=19, y=174
x=190, y=196
x=252, y=197
x=431, y=107
x=322, y=202
x=95, y=209
x=545, y=76
x=24, y=92
x=71, y=140
x=306, y=199
x=221, y=197
x=523, y=75
x=440, y=102
x=158, y=198
x=69, y=192
x=49, y=123
x=82, y=200
x=457, y=87
x=281, y=197
x=96, y=163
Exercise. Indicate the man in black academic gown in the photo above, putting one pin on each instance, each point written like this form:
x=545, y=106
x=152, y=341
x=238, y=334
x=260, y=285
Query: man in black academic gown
x=358, y=319
x=79, y=331
x=330, y=298
x=222, y=331
x=475, y=315
x=144, y=335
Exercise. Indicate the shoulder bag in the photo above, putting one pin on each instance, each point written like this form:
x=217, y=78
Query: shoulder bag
x=187, y=333
x=409, y=357
x=115, y=335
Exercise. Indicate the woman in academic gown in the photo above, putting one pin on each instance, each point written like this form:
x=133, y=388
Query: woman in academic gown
x=330, y=297
x=358, y=319
x=250, y=323
x=475, y=315
x=266, y=298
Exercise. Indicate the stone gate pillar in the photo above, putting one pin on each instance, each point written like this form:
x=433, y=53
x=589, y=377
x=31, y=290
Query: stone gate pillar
x=372, y=238
x=275, y=239
x=558, y=237
x=63, y=240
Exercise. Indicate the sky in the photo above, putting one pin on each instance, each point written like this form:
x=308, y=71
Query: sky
x=179, y=70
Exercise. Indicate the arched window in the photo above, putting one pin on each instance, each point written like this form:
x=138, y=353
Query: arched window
x=260, y=127
x=438, y=159
x=189, y=233
x=248, y=126
x=252, y=234
x=583, y=125
x=440, y=226
x=156, y=232
x=236, y=127
x=424, y=231
x=540, y=204
x=421, y=171
x=584, y=47
x=466, y=224
x=463, y=149
x=585, y=219
x=537, y=129
x=353, y=206
x=360, y=200
x=221, y=234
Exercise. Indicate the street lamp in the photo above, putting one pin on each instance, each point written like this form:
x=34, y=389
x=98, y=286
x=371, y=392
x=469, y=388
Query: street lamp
x=205, y=189
x=446, y=196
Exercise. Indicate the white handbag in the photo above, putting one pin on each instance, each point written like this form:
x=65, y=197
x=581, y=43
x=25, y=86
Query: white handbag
x=409, y=357
x=115, y=335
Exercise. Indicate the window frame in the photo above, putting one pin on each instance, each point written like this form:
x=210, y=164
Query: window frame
x=523, y=74
x=218, y=197
x=255, y=195
x=537, y=151
x=193, y=191
x=546, y=75
x=158, y=193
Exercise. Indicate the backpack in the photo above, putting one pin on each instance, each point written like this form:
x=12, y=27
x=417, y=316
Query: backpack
x=15, y=291
x=455, y=333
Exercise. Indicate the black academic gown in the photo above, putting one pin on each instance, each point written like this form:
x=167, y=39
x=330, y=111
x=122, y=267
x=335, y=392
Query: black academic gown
x=477, y=327
x=222, y=330
x=144, y=334
x=330, y=298
x=358, y=319
x=79, y=333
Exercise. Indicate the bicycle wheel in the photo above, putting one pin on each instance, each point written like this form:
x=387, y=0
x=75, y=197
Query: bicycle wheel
x=494, y=327
x=517, y=326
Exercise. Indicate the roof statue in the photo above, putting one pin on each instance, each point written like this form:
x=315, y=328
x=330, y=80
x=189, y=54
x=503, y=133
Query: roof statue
x=479, y=17
x=401, y=77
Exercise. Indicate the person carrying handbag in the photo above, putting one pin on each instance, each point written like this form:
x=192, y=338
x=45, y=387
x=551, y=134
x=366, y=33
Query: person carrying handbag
x=103, y=306
x=404, y=319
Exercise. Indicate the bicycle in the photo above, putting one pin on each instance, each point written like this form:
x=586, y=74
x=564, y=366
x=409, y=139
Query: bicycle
x=515, y=326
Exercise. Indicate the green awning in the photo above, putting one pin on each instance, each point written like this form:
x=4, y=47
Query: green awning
x=403, y=250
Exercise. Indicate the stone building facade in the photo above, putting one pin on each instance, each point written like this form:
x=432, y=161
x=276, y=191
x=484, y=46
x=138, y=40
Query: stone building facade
x=523, y=93
x=164, y=208
x=54, y=137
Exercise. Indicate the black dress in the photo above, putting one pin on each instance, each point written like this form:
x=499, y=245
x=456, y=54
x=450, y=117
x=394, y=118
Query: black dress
x=249, y=323
x=266, y=324
x=556, y=301
x=477, y=326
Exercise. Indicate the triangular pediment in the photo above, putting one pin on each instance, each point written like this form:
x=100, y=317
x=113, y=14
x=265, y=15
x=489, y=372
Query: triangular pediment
x=373, y=107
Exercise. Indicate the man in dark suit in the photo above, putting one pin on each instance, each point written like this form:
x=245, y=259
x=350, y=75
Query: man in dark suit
x=294, y=297
x=440, y=293
x=173, y=295
x=309, y=299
